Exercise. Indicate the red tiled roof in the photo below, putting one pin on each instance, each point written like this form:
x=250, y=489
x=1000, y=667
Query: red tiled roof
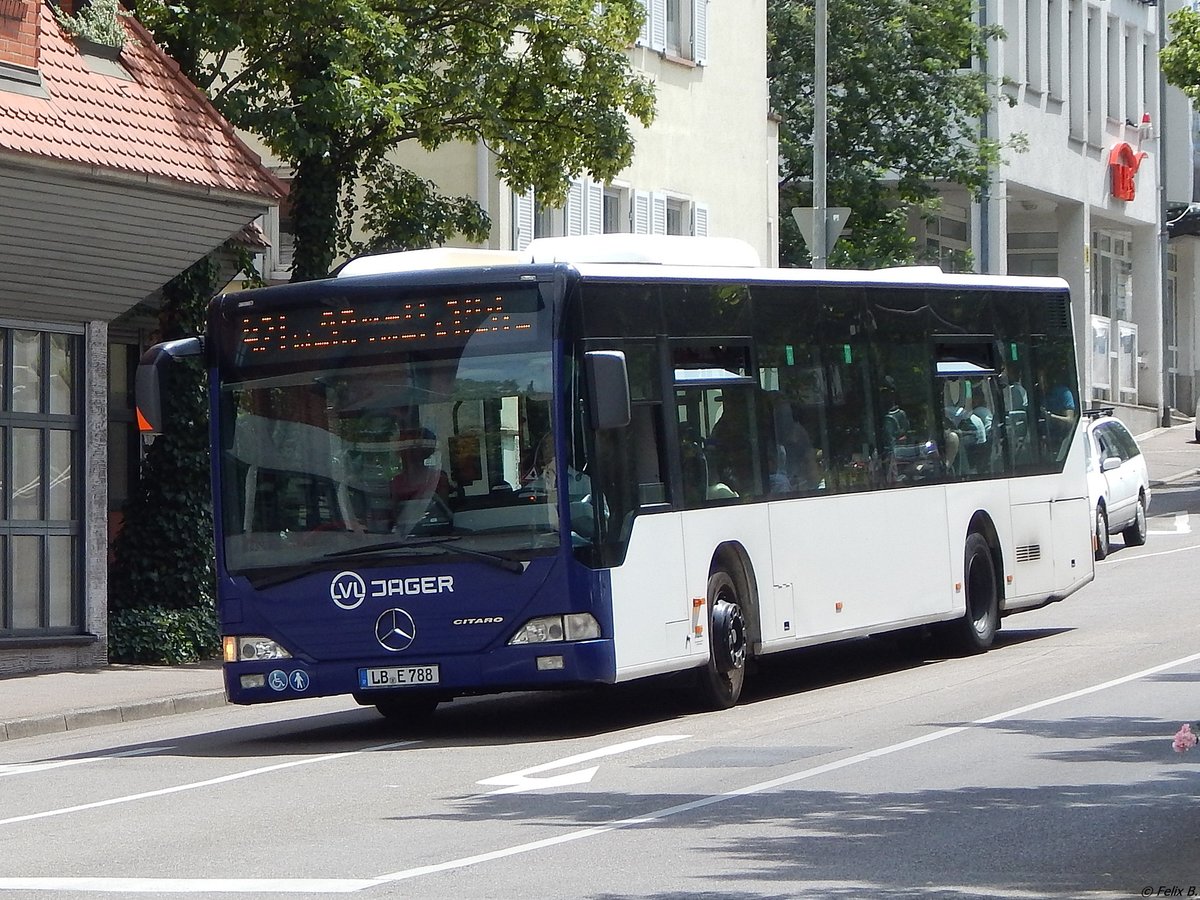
x=157, y=125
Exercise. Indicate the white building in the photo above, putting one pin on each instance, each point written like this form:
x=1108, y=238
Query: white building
x=1083, y=202
x=707, y=165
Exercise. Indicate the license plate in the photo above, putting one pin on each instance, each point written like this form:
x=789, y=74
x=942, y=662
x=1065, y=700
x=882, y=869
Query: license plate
x=397, y=676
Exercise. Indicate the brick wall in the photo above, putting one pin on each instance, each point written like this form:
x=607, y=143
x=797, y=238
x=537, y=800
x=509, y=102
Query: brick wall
x=19, y=32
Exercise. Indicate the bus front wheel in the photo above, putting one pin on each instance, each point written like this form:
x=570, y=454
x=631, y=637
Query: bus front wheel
x=720, y=682
x=410, y=709
x=976, y=630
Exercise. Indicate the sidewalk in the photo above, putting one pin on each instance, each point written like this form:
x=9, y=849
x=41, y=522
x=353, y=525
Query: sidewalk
x=66, y=701
x=1171, y=454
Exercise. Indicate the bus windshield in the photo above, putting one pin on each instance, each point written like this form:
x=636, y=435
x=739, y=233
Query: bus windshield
x=413, y=450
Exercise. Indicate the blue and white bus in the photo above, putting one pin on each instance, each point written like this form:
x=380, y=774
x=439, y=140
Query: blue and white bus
x=444, y=473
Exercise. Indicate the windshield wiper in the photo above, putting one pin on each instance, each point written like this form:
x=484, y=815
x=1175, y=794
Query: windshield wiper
x=436, y=543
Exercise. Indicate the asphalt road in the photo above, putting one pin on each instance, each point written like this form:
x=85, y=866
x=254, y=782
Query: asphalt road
x=868, y=769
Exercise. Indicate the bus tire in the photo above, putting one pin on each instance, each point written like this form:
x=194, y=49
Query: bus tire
x=1135, y=534
x=976, y=631
x=409, y=709
x=1101, y=533
x=720, y=681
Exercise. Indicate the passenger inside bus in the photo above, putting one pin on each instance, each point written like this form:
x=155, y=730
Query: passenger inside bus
x=731, y=445
x=963, y=428
x=417, y=482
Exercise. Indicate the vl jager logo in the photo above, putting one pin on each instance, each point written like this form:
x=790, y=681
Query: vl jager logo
x=348, y=590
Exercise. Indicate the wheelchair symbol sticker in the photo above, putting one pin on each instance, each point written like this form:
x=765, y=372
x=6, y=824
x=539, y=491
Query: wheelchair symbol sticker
x=278, y=680
x=299, y=680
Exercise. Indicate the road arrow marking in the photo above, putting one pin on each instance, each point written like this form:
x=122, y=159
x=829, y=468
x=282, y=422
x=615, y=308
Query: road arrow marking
x=1182, y=525
x=514, y=782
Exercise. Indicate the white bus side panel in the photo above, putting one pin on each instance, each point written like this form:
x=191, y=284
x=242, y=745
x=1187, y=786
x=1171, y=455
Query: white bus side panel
x=651, y=607
x=859, y=562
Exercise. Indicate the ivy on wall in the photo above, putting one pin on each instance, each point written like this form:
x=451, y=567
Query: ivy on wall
x=161, y=582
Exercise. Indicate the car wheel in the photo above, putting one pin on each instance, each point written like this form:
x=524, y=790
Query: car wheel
x=1135, y=534
x=1101, y=533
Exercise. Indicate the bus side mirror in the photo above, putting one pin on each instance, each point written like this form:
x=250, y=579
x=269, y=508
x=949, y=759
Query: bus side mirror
x=608, y=388
x=148, y=382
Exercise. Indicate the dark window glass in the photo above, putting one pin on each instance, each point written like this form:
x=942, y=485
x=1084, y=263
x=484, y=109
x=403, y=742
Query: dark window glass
x=705, y=309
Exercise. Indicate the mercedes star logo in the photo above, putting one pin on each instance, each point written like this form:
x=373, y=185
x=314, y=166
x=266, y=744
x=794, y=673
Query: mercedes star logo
x=395, y=630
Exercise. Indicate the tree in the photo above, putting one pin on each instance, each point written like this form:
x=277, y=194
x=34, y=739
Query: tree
x=1180, y=58
x=332, y=87
x=903, y=113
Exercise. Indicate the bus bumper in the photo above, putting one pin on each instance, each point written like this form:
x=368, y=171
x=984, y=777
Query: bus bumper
x=525, y=667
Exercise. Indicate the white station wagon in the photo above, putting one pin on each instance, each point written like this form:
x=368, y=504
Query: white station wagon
x=1118, y=481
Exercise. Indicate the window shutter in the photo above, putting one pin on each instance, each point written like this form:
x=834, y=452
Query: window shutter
x=594, y=223
x=700, y=32
x=641, y=212
x=658, y=25
x=574, y=211
x=699, y=220
x=523, y=210
x=643, y=38
x=658, y=207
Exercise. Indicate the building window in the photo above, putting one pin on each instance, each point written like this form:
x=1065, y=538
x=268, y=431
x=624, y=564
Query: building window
x=1054, y=49
x=677, y=217
x=948, y=241
x=40, y=428
x=1114, y=335
x=677, y=28
x=614, y=221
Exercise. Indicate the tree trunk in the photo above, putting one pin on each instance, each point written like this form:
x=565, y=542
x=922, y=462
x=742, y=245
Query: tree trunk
x=314, y=195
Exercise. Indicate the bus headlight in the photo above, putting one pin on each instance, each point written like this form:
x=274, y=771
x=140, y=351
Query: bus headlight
x=550, y=629
x=248, y=648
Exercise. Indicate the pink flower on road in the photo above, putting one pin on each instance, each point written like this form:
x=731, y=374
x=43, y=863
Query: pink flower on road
x=1184, y=739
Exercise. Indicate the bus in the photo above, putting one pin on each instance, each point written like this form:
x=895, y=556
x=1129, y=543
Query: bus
x=442, y=472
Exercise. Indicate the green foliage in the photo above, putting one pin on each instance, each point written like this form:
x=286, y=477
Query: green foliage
x=98, y=21
x=162, y=635
x=1180, y=58
x=334, y=87
x=163, y=555
x=406, y=212
x=903, y=113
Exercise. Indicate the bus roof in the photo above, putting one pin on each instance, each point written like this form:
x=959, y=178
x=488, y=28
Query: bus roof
x=667, y=257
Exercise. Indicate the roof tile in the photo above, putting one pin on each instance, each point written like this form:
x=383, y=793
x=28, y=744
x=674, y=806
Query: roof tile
x=158, y=124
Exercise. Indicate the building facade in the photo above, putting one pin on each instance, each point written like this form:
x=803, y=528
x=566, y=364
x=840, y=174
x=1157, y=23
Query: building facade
x=707, y=165
x=116, y=175
x=1079, y=79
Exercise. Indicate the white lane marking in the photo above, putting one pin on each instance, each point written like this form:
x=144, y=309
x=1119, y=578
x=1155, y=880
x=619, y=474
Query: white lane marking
x=523, y=780
x=189, y=885
x=1182, y=525
x=223, y=779
x=1117, y=560
x=30, y=768
x=350, y=885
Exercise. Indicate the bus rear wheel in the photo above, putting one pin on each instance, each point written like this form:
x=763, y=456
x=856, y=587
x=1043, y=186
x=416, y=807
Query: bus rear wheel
x=976, y=631
x=720, y=682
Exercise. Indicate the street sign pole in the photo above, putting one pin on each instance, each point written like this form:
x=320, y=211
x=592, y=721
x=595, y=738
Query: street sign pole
x=817, y=244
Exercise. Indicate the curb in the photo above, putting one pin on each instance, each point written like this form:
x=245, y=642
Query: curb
x=1171, y=479
x=77, y=719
